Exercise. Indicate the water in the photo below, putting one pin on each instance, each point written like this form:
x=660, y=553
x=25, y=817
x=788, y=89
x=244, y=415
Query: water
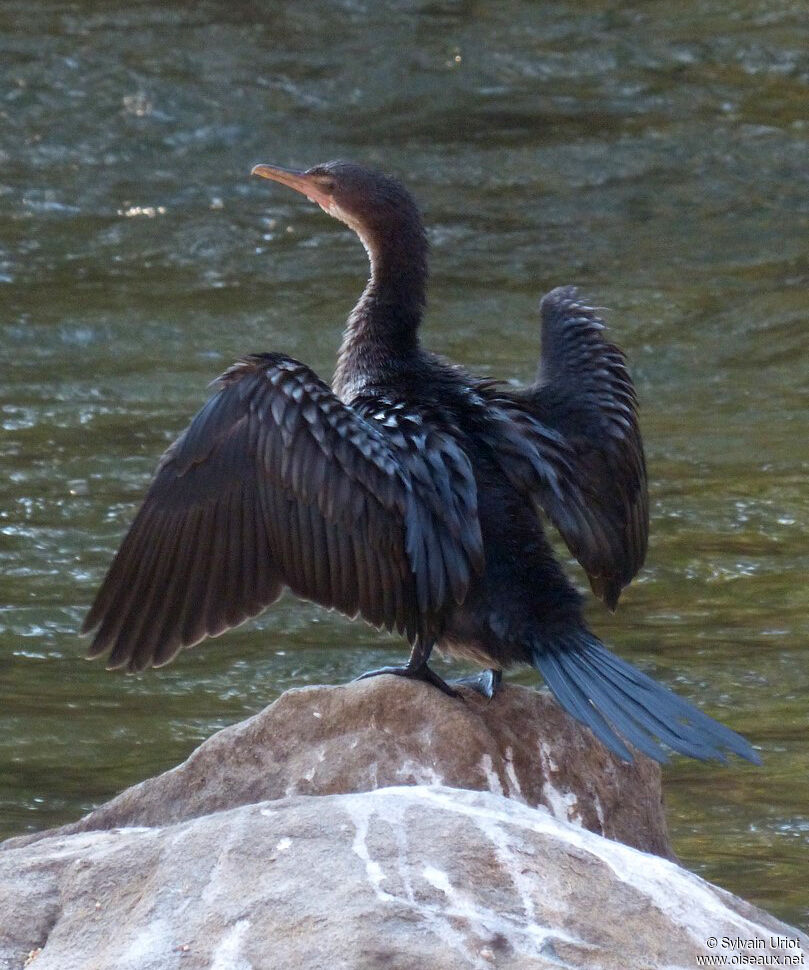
x=653, y=153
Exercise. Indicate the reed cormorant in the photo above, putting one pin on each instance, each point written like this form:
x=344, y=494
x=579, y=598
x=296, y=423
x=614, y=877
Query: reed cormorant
x=411, y=493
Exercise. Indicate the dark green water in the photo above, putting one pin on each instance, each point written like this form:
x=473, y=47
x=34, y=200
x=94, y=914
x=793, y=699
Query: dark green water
x=653, y=153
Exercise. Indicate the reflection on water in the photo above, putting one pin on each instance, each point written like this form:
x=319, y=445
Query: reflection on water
x=653, y=153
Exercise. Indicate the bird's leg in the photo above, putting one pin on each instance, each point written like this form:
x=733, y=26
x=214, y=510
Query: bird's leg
x=416, y=669
x=485, y=683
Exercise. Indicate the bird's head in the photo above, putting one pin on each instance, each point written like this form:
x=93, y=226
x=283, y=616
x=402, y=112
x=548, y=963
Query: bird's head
x=369, y=202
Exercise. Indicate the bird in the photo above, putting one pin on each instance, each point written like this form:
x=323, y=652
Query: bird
x=411, y=493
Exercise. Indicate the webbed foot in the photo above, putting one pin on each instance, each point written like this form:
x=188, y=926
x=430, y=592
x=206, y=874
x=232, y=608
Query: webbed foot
x=421, y=672
x=486, y=683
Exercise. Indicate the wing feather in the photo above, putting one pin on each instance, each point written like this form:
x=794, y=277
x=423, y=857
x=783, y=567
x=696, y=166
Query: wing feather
x=576, y=447
x=277, y=483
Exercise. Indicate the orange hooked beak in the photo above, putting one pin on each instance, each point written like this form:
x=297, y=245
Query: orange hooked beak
x=299, y=181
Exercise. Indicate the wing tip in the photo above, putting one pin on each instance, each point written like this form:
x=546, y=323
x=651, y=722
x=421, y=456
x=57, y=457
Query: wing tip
x=564, y=307
x=607, y=589
x=92, y=618
x=563, y=293
x=558, y=300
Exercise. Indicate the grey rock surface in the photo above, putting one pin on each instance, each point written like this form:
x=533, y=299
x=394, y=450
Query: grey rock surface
x=402, y=878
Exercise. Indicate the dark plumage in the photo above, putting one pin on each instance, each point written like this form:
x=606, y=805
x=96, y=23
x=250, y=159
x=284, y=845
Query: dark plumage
x=411, y=493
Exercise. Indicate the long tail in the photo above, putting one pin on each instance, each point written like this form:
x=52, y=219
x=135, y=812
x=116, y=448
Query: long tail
x=620, y=703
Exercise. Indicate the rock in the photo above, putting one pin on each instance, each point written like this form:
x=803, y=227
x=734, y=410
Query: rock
x=397, y=878
x=378, y=825
x=389, y=731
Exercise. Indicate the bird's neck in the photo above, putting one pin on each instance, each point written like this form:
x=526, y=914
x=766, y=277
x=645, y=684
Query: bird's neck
x=381, y=336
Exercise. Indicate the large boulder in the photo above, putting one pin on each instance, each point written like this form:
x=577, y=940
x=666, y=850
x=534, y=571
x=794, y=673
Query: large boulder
x=390, y=731
x=398, y=878
x=379, y=825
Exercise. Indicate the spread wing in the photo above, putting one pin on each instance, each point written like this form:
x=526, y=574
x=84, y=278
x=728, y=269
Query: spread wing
x=576, y=448
x=277, y=483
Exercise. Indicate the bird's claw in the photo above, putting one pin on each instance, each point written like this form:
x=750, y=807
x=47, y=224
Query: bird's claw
x=414, y=673
x=486, y=683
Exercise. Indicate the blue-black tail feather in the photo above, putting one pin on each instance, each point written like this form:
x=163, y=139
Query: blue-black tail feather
x=620, y=703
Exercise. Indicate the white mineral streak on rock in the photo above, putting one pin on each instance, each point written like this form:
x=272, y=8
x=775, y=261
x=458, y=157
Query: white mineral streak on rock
x=439, y=879
x=361, y=811
x=492, y=778
x=511, y=774
x=522, y=931
x=219, y=872
x=227, y=955
x=150, y=943
x=420, y=773
x=403, y=850
x=562, y=805
x=504, y=848
x=685, y=898
x=547, y=757
x=442, y=917
x=599, y=812
x=98, y=842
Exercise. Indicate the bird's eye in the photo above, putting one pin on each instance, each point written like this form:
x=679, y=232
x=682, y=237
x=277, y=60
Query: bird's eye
x=326, y=184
